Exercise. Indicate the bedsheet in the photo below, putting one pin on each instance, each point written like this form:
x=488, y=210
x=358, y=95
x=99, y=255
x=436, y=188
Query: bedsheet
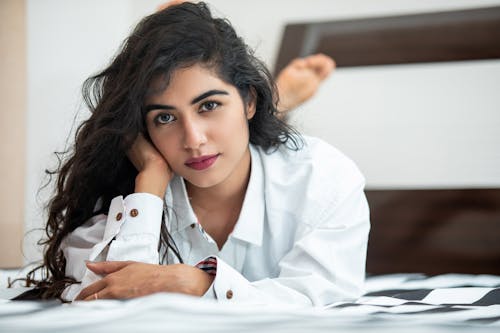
x=392, y=303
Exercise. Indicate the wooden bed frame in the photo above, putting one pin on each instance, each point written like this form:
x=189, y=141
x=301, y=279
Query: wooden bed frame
x=434, y=231
x=427, y=231
x=445, y=36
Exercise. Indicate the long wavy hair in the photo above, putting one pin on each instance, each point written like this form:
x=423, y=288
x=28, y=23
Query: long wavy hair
x=96, y=168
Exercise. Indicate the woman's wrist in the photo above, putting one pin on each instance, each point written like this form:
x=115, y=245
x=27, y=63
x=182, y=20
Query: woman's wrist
x=204, y=282
x=185, y=279
x=152, y=182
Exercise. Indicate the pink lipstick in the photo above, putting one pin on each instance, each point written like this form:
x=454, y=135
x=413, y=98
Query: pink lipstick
x=202, y=162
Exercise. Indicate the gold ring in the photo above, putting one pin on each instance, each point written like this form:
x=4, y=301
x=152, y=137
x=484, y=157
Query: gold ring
x=95, y=296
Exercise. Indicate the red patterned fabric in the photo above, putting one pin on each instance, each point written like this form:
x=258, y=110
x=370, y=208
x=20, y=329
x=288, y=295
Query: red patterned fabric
x=209, y=265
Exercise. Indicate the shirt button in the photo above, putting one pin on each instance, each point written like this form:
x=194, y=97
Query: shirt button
x=229, y=294
x=193, y=225
x=119, y=216
x=134, y=212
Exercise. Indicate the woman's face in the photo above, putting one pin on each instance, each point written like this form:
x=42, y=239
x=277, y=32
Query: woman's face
x=199, y=125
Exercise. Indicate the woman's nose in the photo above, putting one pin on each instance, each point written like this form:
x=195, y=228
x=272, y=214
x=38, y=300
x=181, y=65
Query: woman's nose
x=194, y=134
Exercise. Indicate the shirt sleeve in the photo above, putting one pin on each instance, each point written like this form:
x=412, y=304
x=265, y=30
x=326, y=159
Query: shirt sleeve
x=326, y=263
x=209, y=266
x=130, y=231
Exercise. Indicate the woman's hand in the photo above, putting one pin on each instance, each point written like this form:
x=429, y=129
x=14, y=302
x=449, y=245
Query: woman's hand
x=129, y=279
x=300, y=80
x=154, y=171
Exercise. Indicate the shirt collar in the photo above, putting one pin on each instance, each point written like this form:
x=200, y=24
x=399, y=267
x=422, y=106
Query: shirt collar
x=179, y=212
x=250, y=225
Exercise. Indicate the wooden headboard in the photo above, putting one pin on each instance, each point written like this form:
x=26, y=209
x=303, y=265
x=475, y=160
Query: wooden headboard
x=434, y=231
x=429, y=231
x=445, y=36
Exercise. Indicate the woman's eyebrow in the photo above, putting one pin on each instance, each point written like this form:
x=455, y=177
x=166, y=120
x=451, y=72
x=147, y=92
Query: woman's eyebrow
x=195, y=100
x=152, y=107
x=207, y=94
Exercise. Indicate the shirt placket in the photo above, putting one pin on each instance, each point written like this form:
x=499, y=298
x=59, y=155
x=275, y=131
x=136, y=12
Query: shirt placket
x=203, y=245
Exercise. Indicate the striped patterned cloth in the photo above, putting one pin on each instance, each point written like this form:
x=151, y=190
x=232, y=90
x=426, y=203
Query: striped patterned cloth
x=445, y=299
x=401, y=303
x=209, y=265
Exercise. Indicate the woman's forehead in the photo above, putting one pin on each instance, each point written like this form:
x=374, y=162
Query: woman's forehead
x=186, y=83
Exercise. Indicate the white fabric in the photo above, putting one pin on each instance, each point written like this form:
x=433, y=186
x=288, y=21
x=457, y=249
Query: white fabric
x=394, y=312
x=301, y=236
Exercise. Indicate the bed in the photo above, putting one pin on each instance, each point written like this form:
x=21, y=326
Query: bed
x=433, y=259
x=393, y=302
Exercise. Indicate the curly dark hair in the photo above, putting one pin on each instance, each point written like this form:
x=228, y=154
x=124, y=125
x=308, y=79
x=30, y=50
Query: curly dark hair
x=97, y=168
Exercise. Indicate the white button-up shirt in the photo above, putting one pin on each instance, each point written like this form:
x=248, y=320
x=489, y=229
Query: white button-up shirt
x=301, y=236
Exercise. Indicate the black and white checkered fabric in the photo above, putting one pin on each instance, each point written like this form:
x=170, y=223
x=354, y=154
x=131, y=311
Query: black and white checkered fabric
x=393, y=303
x=444, y=299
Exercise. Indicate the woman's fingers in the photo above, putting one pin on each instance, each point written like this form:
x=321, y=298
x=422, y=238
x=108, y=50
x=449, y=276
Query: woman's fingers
x=107, y=267
x=140, y=151
x=94, y=288
x=140, y=279
x=143, y=154
x=154, y=171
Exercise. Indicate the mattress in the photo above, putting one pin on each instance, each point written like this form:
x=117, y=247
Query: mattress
x=393, y=302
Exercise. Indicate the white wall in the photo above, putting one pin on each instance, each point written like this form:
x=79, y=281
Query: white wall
x=406, y=126
x=67, y=42
x=432, y=125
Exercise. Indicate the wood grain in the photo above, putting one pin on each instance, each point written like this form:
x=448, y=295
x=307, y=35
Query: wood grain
x=434, y=37
x=434, y=231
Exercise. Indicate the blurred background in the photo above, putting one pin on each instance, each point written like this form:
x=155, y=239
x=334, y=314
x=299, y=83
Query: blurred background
x=433, y=125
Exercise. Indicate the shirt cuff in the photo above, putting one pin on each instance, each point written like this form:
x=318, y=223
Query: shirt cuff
x=230, y=286
x=209, y=266
x=142, y=211
x=141, y=214
x=134, y=223
x=210, y=293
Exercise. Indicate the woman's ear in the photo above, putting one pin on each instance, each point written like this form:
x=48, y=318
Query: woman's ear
x=251, y=104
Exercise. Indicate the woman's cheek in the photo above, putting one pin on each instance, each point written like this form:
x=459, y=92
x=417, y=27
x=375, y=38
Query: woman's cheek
x=170, y=155
x=163, y=143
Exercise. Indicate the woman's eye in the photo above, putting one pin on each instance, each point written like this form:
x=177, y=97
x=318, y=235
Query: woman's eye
x=209, y=106
x=164, y=118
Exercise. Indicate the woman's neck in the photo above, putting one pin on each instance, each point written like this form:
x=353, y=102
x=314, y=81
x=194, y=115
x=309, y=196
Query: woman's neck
x=228, y=194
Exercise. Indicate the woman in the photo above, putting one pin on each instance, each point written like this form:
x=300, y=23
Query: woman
x=184, y=180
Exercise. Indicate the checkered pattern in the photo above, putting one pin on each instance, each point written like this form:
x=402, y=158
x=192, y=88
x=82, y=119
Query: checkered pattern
x=392, y=303
x=467, y=302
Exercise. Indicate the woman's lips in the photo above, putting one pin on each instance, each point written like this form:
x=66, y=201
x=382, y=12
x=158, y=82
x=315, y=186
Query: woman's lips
x=202, y=162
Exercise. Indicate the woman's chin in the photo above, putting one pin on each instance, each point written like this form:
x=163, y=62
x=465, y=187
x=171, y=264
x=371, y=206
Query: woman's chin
x=201, y=181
